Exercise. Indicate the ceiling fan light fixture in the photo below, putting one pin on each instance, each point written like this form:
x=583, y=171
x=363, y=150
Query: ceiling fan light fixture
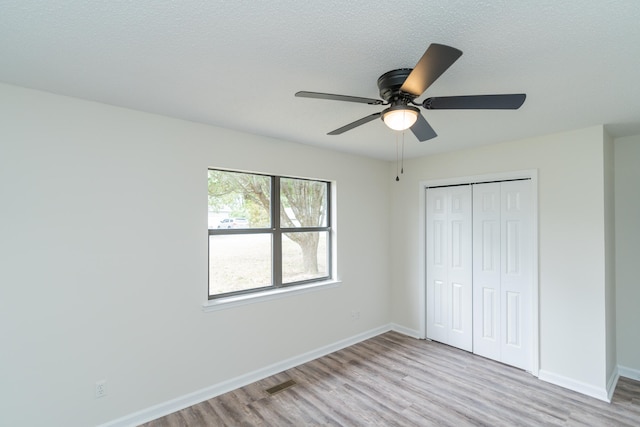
x=400, y=117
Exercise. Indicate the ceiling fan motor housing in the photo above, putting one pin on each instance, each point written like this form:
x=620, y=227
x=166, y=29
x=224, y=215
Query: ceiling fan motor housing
x=390, y=83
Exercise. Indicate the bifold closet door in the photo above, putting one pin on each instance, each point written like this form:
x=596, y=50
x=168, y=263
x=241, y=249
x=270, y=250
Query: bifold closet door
x=502, y=275
x=449, y=266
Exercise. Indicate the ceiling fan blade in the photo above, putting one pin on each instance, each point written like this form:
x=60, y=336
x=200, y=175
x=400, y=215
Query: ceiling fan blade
x=422, y=129
x=355, y=124
x=433, y=63
x=475, y=102
x=334, y=97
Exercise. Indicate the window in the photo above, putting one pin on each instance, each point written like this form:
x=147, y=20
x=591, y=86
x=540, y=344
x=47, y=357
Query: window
x=266, y=232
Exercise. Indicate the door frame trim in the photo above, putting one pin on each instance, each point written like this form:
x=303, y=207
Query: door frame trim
x=531, y=174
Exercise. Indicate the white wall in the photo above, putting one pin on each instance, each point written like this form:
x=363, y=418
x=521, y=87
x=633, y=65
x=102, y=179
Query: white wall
x=104, y=259
x=627, y=212
x=571, y=244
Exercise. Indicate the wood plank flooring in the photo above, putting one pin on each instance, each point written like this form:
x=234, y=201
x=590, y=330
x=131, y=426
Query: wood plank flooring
x=394, y=380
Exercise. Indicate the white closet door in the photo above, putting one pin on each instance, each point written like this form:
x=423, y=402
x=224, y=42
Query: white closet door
x=502, y=272
x=516, y=276
x=486, y=270
x=449, y=266
x=437, y=271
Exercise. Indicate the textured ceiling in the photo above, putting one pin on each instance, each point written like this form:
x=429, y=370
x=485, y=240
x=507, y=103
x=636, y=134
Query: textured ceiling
x=237, y=64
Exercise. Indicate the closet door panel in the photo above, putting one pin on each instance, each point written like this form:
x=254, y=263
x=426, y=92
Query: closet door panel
x=449, y=266
x=460, y=268
x=437, y=265
x=486, y=270
x=502, y=272
x=516, y=274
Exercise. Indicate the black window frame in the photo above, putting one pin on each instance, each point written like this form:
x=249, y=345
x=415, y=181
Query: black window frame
x=276, y=231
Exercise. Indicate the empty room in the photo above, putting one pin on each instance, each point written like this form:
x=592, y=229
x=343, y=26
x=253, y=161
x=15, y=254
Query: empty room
x=329, y=213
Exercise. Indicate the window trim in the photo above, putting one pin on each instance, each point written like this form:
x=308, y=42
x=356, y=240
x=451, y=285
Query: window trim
x=230, y=301
x=276, y=231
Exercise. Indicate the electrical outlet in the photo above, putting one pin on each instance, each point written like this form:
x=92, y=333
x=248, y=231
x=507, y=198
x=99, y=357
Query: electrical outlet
x=355, y=315
x=101, y=388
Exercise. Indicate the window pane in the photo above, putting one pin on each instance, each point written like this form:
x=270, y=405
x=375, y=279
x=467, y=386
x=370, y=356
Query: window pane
x=304, y=256
x=239, y=200
x=304, y=203
x=239, y=262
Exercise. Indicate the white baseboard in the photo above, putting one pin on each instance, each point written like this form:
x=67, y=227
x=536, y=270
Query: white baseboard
x=571, y=384
x=633, y=374
x=206, y=393
x=612, y=383
x=406, y=331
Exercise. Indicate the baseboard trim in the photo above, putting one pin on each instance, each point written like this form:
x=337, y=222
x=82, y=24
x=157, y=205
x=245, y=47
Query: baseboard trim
x=206, y=393
x=612, y=383
x=632, y=374
x=406, y=331
x=571, y=384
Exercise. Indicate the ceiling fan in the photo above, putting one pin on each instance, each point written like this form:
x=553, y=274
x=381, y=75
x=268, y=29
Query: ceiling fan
x=399, y=89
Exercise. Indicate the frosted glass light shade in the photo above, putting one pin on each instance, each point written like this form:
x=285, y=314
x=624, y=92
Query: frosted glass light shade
x=401, y=118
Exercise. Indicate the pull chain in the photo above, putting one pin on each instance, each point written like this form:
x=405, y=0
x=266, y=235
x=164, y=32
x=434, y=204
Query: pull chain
x=402, y=164
x=397, y=177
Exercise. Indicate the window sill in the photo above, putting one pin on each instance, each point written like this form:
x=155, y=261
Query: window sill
x=239, y=300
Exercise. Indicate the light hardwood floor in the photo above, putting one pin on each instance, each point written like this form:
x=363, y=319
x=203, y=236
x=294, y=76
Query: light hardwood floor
x=394, y=380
